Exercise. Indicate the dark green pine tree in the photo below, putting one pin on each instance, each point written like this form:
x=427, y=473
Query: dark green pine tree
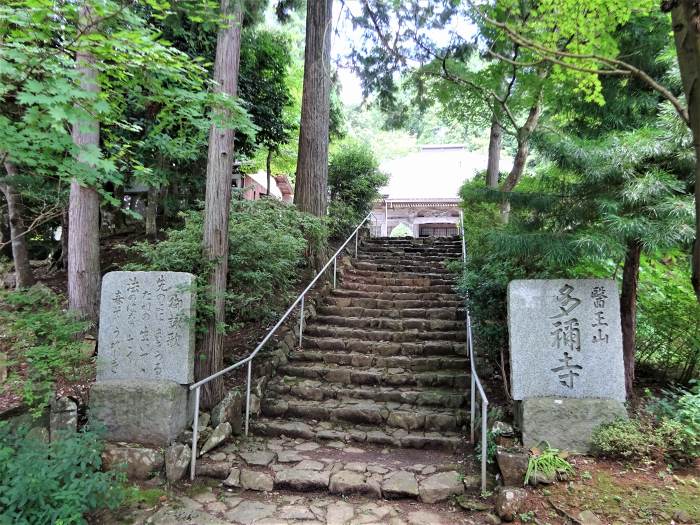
x=610, y=198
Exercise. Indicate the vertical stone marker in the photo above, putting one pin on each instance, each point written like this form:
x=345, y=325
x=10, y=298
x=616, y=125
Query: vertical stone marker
x=146, y=326
x=566, y=358
x=145, y=356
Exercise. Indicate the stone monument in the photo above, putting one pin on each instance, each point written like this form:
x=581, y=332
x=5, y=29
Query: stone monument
x=145, y=357
x=567, y=371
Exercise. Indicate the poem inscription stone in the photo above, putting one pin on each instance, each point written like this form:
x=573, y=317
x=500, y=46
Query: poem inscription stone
x=565, y=339
x=146, y=327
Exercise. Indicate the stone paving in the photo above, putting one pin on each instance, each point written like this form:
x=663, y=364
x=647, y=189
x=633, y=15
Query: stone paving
x=338, y=467
x=214, y=506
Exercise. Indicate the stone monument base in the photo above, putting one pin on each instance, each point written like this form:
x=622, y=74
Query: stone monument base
x=564, y=423
x=139, y=411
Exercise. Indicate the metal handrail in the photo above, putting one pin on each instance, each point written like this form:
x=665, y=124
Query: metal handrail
x=299, y=301
x=475, y=381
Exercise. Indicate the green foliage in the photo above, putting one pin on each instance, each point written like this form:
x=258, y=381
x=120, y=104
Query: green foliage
x=681, y=406
x=265, y=61
x=353, y=180
x=489, y=270
x=668, y=318
x=401, y=230
x=43, y=336
x=56, y=482
x=667, y=429
x=269, y=244
x=549, y=462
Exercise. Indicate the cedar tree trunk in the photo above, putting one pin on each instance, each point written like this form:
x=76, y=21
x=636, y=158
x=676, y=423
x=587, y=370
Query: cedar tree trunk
x=686, y=27
x=24, y=277
x=210, y=358
x=628, y=311
x=268, y=169
x=312, y=163
x=152, y=212
x=84, y=206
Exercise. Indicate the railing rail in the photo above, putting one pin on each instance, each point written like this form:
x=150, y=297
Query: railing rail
x=475, y=382
x=249, y=360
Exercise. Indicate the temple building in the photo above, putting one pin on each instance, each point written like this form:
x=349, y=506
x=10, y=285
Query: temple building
x=423, y=190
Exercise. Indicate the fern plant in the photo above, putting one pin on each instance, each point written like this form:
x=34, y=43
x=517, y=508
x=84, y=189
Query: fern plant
x=547, y=461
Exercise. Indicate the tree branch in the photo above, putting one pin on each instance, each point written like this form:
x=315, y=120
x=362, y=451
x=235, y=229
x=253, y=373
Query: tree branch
x=556, y=56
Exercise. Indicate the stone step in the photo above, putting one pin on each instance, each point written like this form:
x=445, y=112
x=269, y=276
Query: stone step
x=397, y=289
x=432, y=241
x=394, y=266
x=406, y=336
x=360, y=360
x=387, y=323
x=319, y=391
x=405, y=259
x=389, y=305
x=338, y=431
x=393, y=296
x=387, y=348
x=409, y=251
x=366, y=412
x=453, y=313
x=398, y=275
x=350, y=375
x=397, y=281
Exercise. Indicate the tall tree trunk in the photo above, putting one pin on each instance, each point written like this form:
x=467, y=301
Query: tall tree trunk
x=24, y=277
x=312, y=163
x=152, y=212
x=495, y=144
x=521, y=155
x=84, y=204
x=268, y=169
x=628, y=311
x=217, y=204
x=686, y=26
x=64, y=238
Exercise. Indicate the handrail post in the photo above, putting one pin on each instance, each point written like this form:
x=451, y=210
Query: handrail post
x=335, y=270
x=357, y=234
x=195, y=431
x=484, y=441
x=247, y=397
x=301, y=321
x=472, y=406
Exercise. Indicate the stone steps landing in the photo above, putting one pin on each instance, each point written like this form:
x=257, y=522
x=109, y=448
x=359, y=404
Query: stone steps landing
x=301, y=464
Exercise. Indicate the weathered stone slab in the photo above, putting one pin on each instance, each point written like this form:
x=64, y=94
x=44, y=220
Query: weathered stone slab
x=153, y=412
x=146, y=328
x=440, y=487
x=566, y=424
x=565, y=339
x=135, y=462
x=63, y=416
x=177, y=461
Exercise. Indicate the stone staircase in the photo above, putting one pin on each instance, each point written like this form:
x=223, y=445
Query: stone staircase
x=384, y=360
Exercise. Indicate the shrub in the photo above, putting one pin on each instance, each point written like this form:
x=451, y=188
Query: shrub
x=353, y=180
x=269, y=242
x=44, y=337
x=654, y=434
x=680, y=409
x=624, y=438
x=57, y=482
